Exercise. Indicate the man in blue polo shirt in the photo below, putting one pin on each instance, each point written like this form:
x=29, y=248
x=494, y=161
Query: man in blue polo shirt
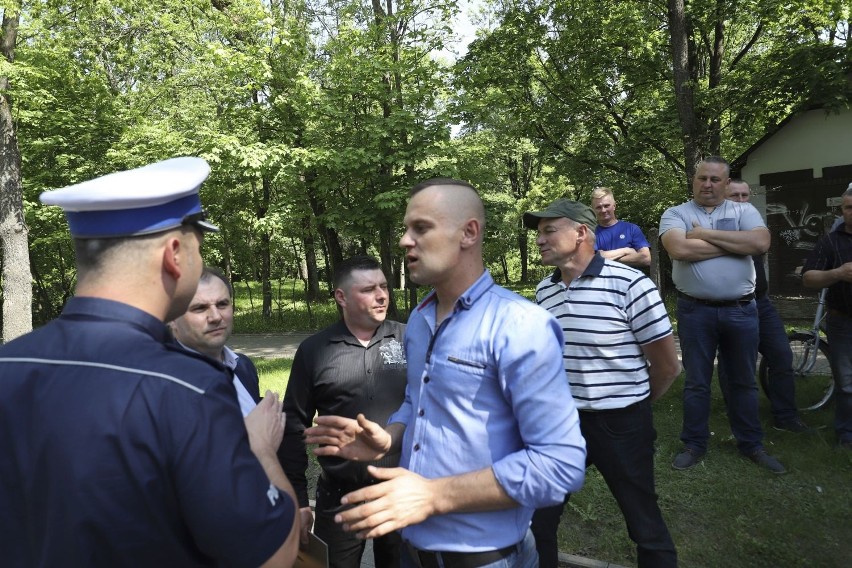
x=616, y=239
x=119, y=447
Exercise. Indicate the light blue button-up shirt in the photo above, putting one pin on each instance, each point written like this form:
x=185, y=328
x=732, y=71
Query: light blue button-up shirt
x=487, y=389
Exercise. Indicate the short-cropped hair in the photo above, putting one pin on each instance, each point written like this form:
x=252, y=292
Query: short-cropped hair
x=344, y=270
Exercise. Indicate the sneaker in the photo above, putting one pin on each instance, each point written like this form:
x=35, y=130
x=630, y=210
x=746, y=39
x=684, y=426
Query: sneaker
x=687, y=458
x=764, y=460
x=795, y=425
x=845, y=445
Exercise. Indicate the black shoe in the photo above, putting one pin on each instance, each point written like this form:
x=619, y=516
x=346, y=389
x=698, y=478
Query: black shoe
x=764, y=460
x=795, y=425
x=687, y=458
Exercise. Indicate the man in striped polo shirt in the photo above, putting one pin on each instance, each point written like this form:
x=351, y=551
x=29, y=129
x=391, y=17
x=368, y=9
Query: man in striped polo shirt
x=619, y=355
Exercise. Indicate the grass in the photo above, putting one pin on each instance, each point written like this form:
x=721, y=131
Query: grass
x=726, y=511
x=273, y=374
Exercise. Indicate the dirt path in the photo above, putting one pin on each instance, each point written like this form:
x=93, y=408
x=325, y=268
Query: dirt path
x=268, y=345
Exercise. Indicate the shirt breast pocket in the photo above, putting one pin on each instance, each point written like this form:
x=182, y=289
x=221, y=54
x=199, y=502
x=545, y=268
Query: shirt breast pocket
x=468, y=365
x=726, y=224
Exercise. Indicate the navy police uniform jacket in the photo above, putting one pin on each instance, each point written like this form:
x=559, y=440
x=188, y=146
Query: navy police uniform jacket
x=119, y=448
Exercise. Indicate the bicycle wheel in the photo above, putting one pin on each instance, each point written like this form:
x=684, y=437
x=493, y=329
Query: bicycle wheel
x=814, y=382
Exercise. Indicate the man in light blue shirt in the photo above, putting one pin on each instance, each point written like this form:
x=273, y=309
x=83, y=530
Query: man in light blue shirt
x=488, y=429
x=711, y=241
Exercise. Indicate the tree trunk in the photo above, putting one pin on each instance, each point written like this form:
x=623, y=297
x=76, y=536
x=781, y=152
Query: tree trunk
x=312, y=275
x=684, y=90
x=387, y=258
x=714, y=138
x=17, y=280
x=265, y=252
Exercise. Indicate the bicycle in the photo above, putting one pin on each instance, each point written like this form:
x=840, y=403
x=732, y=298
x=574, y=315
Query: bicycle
x=814, y=381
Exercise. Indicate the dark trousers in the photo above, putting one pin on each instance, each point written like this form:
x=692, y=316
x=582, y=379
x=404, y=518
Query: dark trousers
x=620, y=443
x=775, y=348
x=839, y=329
x=734, y=332
x=344, y=548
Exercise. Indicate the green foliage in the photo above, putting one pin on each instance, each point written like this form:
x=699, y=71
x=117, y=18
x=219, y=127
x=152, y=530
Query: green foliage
x=318, y=119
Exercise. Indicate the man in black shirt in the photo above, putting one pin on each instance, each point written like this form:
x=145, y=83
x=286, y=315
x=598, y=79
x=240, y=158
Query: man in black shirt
x=829, y=265
x=355, y=366
x=773, y=345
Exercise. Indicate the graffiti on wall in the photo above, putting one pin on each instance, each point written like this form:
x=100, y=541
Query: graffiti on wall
x=795, y=217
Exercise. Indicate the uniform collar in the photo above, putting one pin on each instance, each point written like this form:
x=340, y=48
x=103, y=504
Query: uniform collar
x=80, y=307
x=229, y=356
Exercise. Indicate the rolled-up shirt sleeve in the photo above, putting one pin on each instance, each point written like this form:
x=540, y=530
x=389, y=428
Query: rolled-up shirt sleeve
x=553, y=460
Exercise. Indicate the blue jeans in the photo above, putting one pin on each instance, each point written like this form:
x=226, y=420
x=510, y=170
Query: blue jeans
x=733, y=331
x=775, y=348
x=839, y=332
x=524, y=557
x=620, y=443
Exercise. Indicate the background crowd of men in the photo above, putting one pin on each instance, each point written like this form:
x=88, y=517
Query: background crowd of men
x=141, y=438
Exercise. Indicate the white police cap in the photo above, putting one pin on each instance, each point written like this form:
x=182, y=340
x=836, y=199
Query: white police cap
x=142, y=201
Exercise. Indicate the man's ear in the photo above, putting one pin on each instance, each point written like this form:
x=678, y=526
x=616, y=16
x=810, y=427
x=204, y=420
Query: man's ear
x=471, y=232
x=172, y=257
x=339, y=297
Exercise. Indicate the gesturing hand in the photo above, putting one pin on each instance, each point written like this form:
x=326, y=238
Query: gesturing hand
x=403, y=499
x=352, y=439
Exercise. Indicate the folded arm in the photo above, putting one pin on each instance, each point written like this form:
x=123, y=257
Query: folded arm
x=681, y=248
x=630, y=256
x=265, y=427
x=746, y=243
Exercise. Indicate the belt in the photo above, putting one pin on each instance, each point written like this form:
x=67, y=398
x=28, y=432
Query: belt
x=719, y=303
x=428, y=559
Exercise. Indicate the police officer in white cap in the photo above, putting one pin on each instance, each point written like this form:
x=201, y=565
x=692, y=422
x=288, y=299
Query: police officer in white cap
x=119, y=448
